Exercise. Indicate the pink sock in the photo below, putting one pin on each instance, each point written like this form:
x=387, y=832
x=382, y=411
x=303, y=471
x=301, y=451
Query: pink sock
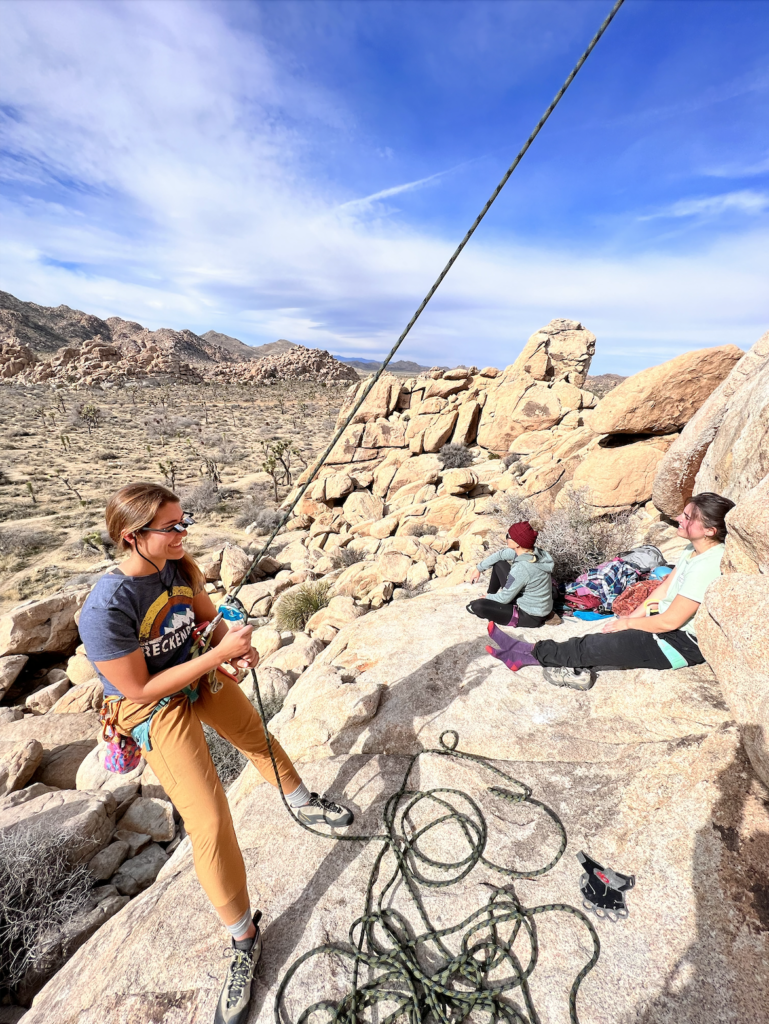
x=518, y=655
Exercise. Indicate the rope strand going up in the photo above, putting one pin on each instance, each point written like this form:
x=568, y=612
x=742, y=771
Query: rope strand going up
x=367, y=389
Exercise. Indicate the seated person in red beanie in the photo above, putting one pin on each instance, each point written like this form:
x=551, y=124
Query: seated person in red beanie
x=521, y=586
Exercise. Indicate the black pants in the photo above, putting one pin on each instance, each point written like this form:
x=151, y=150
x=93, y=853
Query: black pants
x=502, y=614
x=630, y=648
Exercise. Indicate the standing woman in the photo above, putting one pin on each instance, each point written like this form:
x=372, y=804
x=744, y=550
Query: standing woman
x=137, y=626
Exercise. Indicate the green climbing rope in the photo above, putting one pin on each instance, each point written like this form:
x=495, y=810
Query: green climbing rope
x=386, y=945
x=416, y=974
x=365, y=392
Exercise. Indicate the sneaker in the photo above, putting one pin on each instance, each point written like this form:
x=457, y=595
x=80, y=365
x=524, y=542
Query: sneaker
x=232, y=1007
x=320, y=811
x=576, y=678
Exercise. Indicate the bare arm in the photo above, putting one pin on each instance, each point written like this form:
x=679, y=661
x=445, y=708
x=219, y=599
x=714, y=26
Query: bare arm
x=678, y=614
x=131, y=676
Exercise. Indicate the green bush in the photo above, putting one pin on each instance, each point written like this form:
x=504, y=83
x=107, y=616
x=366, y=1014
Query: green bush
x=40, y=889
x=296, y=608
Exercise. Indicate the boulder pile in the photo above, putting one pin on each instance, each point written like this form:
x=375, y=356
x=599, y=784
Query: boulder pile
x=387, y=496
x=52, y=776
x=97, y=364
x=298, y=363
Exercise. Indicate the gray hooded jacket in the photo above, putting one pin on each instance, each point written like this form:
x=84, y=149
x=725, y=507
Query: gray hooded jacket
x=529, y=582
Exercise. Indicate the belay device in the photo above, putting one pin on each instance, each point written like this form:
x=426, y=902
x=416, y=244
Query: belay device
x=603, y=890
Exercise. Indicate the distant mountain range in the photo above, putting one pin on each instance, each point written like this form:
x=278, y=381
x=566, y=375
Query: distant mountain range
x=372, y=365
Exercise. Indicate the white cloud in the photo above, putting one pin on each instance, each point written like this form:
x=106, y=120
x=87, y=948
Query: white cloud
x=174, y=162
x=744, y=201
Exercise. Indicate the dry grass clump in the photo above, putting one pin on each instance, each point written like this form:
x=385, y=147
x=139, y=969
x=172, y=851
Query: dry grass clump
x=40, y=889
x=578, y=540
x=22, y=542
x=343, y=558
x=455, y=456
x=202, y=499
x=295, y=609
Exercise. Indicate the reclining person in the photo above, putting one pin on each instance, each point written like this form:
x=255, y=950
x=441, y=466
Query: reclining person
x=521, y=586
x=662, y=641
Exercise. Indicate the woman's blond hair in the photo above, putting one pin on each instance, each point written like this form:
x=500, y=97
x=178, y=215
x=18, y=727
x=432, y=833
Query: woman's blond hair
x=135, y=506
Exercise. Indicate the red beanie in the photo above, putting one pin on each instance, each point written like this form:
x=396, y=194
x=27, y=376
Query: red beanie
x=523, y=534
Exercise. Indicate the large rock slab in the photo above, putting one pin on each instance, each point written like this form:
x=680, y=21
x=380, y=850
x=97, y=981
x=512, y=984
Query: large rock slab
x=18, y=763
x=45, y=625
x=66, y=741
x=733, y=628
x=379, y=403
x=685, y=818
x=428, y=657
x=674, y=484
x=10, y=668
x=664, y=398
x=620, y=477
x=87, y=819
x=747, y=541
x=738, y=458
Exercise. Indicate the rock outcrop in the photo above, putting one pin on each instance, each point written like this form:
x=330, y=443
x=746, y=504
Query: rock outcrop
x=675, y=481
x=645, y=771
x=662, y=399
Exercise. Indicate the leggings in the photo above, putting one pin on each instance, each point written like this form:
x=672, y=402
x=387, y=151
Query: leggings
x=503, y=614
x=182, y=762
x=630, y=648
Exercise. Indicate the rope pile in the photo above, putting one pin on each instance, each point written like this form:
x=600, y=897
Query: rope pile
x=394, y=959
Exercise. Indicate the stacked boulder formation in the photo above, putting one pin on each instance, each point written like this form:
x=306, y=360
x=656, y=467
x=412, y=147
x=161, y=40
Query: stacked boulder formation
x=298, y=363
x=533, y=431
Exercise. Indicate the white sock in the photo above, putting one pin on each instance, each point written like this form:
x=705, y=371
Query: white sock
x=299, y=797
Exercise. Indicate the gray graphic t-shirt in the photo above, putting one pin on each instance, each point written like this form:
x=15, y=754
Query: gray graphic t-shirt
x=123, y=614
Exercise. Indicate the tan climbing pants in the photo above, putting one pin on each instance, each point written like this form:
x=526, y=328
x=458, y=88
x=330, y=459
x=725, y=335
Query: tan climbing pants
x=182, y=762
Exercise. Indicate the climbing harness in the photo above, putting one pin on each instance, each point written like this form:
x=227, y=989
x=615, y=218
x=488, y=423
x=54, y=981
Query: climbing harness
x=604, y=890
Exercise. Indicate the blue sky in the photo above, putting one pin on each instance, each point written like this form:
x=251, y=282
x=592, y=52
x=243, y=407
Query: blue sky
x=303, y=170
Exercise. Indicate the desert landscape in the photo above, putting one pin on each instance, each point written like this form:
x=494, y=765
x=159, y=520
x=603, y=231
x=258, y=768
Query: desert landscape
x=366, y=652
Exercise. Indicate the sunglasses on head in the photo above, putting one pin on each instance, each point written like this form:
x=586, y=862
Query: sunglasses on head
x=187, y=520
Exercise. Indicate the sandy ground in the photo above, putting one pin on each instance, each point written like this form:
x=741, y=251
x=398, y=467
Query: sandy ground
x=57, y=471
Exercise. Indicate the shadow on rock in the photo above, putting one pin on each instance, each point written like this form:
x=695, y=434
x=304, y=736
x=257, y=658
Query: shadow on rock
x=723, y=976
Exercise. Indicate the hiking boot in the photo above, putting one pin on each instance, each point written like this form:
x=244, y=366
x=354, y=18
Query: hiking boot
x=320, y=811
x=232, y=1007
x=575, y=678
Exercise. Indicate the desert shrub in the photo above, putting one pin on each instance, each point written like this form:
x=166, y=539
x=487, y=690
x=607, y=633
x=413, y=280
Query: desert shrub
x=578, y=540
x=510, y=459
x=228, y=760
x=40, y=889
x=201, y=499
x=22, y=542
x=295, y=609
x=345, y=557
x=266, y=519
x=107, y=456
x=423, y=530
x=455, y=456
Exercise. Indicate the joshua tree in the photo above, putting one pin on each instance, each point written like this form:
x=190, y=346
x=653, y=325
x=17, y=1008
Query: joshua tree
x=277, y=461
x=90, y=414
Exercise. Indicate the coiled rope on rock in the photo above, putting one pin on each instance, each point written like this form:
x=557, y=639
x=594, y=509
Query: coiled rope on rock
x=462, y=983
x=396, y=957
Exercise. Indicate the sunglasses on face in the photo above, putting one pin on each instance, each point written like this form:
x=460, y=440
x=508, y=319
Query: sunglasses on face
x=188, y=519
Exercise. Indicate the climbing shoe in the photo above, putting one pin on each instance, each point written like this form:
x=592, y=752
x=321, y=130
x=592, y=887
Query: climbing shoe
x=575, y=678
x=232, y=1007
x=320, y=811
